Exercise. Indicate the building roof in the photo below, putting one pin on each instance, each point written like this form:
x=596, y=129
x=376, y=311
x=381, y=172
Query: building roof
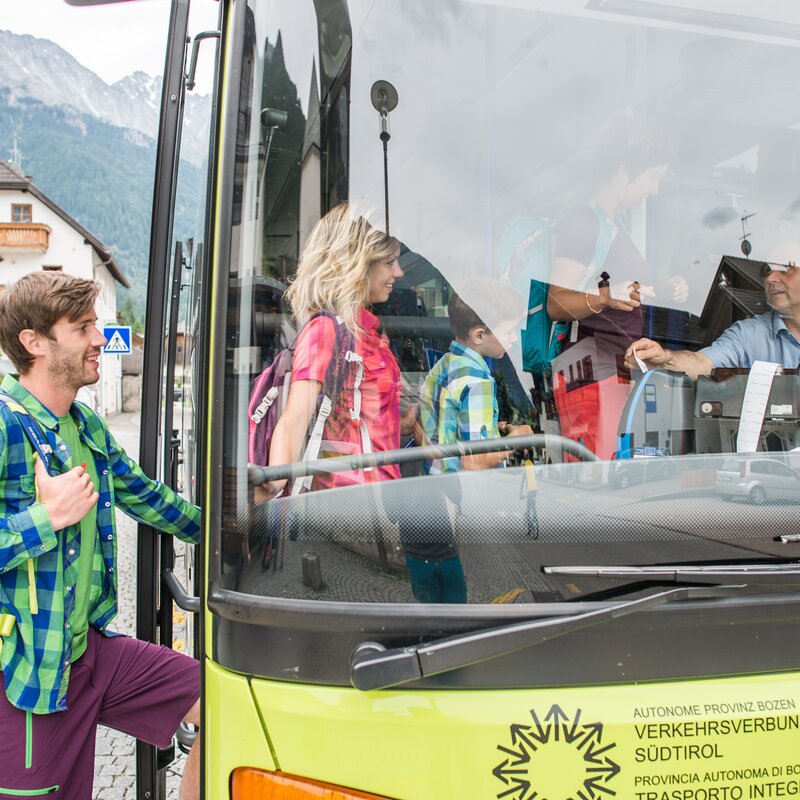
x=313, y=132
x=11, y=177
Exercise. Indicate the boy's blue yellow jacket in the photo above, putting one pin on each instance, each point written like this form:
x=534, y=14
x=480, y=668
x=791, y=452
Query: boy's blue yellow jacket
x=36, y=653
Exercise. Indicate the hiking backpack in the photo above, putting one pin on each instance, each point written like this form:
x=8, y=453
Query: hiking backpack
x=525, y=256
x=41, y=448
x=270, y=392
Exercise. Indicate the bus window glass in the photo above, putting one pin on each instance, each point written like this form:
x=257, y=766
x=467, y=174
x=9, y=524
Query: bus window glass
x=572, y=194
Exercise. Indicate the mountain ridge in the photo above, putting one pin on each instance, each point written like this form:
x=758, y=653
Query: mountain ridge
x=41, y=70
x=91, y=146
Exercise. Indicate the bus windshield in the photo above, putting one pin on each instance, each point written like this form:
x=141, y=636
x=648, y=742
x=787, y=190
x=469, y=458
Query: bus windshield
x=511, y=301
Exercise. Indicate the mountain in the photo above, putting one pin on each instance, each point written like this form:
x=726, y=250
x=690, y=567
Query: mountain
x=37, y=69
x=91, y=146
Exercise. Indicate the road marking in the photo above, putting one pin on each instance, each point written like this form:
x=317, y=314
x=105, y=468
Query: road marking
x=508, y=597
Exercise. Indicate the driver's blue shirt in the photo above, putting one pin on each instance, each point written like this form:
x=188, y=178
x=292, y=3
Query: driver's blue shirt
x=761, y=338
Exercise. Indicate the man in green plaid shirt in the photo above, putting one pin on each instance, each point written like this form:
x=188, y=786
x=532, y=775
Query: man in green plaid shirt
x=62, y=475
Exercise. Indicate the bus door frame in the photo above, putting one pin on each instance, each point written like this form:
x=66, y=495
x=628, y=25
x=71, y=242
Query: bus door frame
x=154, y=597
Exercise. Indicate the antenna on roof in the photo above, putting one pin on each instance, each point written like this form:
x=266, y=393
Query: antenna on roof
x=746, y=246
x=16, y=153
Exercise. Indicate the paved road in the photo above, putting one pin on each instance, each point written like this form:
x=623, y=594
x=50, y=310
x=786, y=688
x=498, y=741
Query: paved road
x=115, y=769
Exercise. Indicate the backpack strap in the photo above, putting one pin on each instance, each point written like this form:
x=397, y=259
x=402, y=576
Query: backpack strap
x=355, y=411
x=607, y=231
x=606, y=234
x=31, y=428
x=45, y=452
x=343, y=355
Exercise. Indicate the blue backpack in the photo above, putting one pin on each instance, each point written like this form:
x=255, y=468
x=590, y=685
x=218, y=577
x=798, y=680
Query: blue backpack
x=40, y=445
x=525, y=257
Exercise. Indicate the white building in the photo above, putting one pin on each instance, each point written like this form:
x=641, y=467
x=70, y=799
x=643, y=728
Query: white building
x=36, y=234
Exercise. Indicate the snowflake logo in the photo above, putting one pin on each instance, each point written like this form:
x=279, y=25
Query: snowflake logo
x=561, y=758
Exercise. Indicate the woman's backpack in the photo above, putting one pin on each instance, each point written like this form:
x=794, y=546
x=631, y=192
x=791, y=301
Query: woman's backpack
x=270, y=392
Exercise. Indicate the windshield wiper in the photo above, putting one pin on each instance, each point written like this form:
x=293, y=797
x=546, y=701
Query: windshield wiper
x=374, y=667
x=753, y=574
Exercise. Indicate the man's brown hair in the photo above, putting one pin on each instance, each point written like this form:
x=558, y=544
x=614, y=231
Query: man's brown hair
x=37, y=301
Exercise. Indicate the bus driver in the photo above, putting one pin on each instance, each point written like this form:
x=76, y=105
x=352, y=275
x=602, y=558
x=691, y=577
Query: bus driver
x=774, y=336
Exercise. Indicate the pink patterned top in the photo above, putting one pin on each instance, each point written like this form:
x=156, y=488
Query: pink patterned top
x=380, y=396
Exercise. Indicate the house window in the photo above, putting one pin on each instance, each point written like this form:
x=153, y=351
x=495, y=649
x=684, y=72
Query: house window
x=21, y=213
x=52, y=268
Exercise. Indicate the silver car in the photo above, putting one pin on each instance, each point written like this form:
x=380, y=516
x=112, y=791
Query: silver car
x=757, y=479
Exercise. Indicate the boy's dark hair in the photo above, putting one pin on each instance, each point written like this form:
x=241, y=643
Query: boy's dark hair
x=496, y=301
x=37, y=301
x=632, y=145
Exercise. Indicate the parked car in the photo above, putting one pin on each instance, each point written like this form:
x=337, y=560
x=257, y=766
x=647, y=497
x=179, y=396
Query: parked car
x=640, y=469
x=758, y=479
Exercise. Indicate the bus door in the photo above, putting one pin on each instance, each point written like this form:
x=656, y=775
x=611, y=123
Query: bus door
x=591, y=616
x=173, y=381
x=167, y=585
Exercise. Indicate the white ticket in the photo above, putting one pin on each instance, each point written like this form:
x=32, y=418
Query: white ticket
x=642, y=366
x=754, y=405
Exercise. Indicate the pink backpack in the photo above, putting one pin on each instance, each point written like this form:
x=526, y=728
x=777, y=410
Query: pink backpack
x=270, y=391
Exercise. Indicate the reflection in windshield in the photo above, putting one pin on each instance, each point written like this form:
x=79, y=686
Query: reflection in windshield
x=590, y=240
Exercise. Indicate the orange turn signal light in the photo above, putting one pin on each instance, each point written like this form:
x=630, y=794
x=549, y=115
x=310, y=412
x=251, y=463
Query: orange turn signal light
x=256, y=784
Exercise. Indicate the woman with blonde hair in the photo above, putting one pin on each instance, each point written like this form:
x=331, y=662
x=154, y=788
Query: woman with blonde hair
x=346, y=266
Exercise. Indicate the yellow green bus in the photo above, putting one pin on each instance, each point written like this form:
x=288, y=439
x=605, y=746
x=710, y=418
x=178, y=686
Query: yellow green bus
x=623, y=621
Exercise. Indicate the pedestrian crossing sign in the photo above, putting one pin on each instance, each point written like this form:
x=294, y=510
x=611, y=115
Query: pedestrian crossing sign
x=118, y=339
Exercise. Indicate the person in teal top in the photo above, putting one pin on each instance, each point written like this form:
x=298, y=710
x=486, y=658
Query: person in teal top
x=62, y=475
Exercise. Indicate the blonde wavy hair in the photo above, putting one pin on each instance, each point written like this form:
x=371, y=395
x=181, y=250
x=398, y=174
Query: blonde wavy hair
x=333, y=272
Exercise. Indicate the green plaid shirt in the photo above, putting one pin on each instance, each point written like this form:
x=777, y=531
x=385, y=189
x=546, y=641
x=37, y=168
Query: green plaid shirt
x=36, y=656
x=458, y=402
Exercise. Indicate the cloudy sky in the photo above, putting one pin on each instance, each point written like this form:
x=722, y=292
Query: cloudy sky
x=112, y=40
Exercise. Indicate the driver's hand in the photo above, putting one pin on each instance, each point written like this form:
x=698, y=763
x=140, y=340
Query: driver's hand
x=652, y=353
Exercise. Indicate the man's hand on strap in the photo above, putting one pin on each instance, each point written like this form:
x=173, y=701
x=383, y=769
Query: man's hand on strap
x=68, y=498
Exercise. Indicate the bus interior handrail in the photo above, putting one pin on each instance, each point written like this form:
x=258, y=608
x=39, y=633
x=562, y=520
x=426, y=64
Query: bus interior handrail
x=257, y=475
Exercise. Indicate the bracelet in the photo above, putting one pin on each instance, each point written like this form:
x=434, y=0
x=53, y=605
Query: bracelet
x=589, y=306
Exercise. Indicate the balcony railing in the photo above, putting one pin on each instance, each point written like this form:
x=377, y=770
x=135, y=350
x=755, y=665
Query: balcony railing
x=26, y=237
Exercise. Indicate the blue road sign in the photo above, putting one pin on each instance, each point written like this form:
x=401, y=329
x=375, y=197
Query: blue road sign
x=119, y=339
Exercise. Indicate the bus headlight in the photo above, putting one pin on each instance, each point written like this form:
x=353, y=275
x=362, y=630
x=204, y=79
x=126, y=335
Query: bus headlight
x=256, y=784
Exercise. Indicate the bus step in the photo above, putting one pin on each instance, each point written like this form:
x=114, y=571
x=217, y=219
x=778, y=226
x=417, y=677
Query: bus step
x=165, y=756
